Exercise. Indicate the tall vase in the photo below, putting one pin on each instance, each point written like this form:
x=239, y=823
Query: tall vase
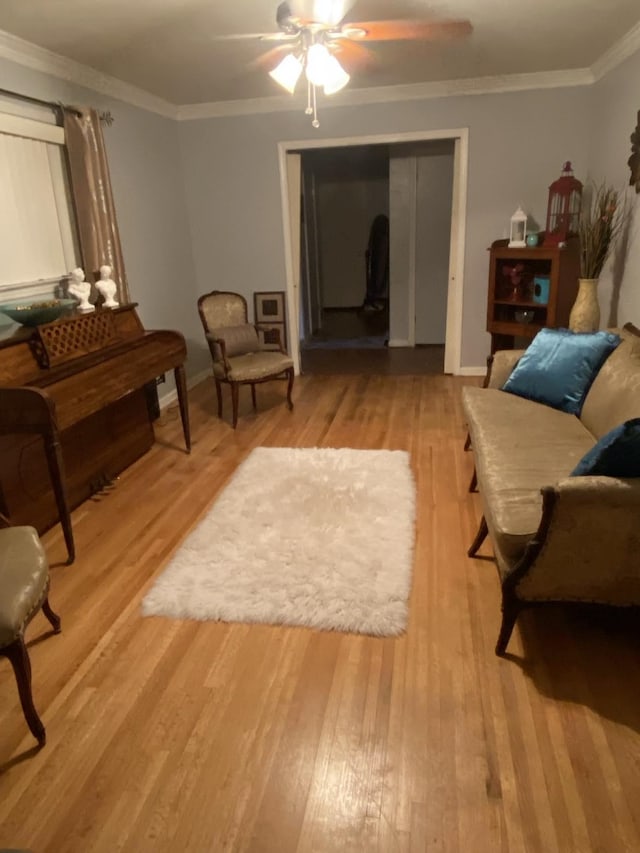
x=585, y=314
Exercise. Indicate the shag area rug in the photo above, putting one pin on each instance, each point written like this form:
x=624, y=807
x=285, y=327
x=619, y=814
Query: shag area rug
x=300, y=536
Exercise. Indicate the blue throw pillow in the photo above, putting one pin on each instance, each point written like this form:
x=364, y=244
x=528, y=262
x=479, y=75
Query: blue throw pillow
x=617, y=454
x=559, y=366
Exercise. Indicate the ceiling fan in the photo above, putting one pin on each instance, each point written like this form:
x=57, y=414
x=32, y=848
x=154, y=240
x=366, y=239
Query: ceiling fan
x=323, y=42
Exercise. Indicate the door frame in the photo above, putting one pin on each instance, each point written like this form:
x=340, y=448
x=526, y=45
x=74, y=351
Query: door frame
x=453, y=339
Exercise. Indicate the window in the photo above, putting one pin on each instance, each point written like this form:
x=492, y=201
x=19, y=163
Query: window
x=38, y=243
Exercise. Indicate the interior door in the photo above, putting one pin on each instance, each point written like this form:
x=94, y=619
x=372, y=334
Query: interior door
x=312, y=297
x=294, y=165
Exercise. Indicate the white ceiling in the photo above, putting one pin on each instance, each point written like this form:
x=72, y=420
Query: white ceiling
x=172, y=48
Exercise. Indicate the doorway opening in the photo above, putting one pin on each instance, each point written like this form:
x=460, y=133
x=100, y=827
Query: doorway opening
x=344, y=272
x=345, y=291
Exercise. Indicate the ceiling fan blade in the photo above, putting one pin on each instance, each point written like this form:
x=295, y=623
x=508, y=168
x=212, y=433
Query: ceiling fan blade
x=254, y=37
x=353, y=56
x=411, y=29
x=268, y=61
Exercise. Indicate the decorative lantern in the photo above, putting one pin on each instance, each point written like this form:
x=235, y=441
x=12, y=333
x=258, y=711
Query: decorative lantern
x=563, y=210
x=518, y=232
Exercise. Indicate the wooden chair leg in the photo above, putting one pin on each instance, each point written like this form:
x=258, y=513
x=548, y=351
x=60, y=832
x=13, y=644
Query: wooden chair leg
x=234, y=403
x=291, y=375
x=19, y=660
x=56, y=472
x=467, y=441
x=481, y=535
x=510, y=610
x=183, y=402
x=219, y=396
x=473, y=485
x=53, y=618
x=253, y=396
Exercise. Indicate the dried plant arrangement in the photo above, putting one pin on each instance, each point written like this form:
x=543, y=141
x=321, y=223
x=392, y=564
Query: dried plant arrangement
x=601, y=223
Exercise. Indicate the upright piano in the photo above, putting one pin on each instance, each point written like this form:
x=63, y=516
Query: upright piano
x=73, y=409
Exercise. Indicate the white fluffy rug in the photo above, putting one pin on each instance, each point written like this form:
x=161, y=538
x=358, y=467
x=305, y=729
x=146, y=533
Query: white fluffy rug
x=316, y=537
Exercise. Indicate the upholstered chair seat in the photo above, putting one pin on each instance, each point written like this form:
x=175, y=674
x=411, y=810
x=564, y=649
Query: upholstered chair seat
x=24, y=587
x=237, y=353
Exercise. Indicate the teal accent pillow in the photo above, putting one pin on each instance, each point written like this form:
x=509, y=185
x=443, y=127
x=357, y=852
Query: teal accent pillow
x=617, y=454
x=559, y=366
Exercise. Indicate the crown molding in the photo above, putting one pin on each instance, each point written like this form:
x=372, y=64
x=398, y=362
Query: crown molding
x=384, y=94
x=617, y=53
x=39, y=59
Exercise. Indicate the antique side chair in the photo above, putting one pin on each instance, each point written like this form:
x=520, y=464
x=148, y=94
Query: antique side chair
x=24, y=589
x=236, y=351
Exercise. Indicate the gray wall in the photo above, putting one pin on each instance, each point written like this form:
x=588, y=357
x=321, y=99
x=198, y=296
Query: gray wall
x=614, y=105
x=144, y=160
x=233, y=237
x=518, y=142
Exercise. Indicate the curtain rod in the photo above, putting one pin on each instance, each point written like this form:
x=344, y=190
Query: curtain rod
x=105, y=116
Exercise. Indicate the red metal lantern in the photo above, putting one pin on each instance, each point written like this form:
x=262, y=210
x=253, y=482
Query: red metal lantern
x=563, y=210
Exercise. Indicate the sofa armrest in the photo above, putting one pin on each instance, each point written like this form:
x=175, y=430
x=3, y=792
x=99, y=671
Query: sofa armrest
x=501, y=366
x=588, y=544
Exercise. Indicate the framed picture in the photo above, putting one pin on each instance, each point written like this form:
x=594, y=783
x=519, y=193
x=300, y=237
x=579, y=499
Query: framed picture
x=270, y=315
x=269, y=306
x=272, y=334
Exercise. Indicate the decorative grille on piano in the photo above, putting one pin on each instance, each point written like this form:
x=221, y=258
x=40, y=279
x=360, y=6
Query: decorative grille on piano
x=69, y=338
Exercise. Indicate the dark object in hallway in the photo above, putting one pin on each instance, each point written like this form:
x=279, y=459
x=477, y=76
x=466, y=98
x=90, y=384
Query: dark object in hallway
x=377, y=264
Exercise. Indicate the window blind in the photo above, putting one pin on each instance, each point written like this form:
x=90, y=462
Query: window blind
x=37, y=227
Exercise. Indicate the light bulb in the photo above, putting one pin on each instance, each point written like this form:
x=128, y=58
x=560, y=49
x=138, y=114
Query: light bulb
x=318, y=60
x=287, y=72
x=329, y=11
x=336, y=77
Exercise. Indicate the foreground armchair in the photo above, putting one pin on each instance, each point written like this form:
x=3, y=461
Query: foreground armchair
x=236, y=352
x=24, y=589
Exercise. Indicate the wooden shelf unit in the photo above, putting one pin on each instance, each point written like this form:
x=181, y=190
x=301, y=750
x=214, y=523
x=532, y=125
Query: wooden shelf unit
x=511, y=289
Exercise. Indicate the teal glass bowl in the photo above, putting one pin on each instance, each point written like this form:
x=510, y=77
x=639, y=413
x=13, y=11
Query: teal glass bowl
x=36, y=313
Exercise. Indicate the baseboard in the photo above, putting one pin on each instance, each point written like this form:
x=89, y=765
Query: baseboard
x=471, y=371
x=398, y=342
x=336, y=308
x=171, y=396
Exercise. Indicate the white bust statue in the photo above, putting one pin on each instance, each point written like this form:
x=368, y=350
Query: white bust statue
x=107, y=287
x=81, y=289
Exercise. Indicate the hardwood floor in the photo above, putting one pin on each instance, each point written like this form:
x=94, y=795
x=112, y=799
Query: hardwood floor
x=183, y=736
x=383, y=361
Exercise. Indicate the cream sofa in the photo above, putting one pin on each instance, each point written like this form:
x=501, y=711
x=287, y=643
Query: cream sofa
x=556, y=537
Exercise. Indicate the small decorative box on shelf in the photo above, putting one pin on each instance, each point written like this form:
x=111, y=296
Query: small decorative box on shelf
x=529, y=289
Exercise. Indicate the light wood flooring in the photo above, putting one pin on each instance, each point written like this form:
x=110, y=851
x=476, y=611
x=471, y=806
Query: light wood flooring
x=183, y=736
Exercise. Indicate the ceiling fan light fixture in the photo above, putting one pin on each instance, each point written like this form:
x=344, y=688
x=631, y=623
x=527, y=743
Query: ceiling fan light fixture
x=336, y=77
x=287, y=72
x=329, y=11
x=318, y=64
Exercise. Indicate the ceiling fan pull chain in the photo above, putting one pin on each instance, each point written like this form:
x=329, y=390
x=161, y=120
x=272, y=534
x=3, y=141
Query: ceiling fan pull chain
x=315, y=122
x=309, y=108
